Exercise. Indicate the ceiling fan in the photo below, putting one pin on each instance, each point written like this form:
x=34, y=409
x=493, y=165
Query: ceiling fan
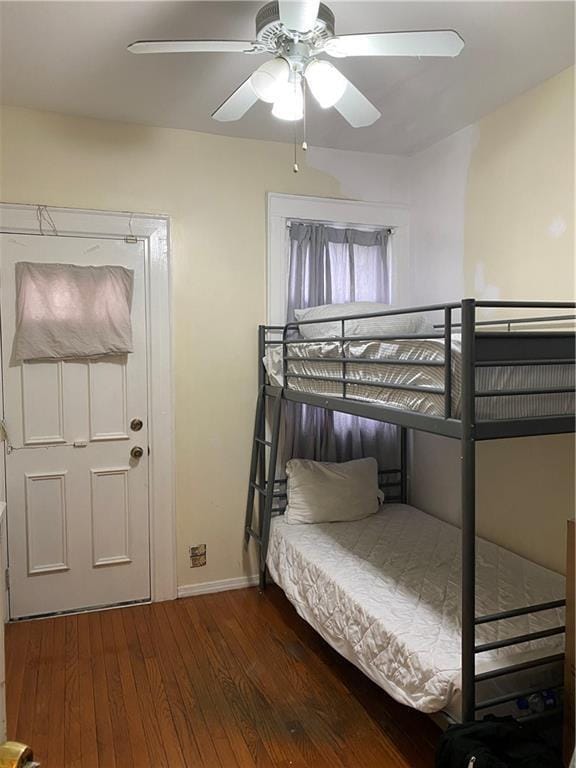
x=296, y=33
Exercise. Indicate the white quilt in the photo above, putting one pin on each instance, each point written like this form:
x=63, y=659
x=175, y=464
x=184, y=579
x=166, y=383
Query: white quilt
x=385, y=591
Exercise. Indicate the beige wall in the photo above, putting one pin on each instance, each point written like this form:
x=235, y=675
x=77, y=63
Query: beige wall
x=513, y=238
x=519, y=224
x=525, y=490
x=518, y=244
x=213, y=188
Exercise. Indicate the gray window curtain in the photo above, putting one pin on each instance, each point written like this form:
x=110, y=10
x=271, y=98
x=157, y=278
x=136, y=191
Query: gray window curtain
x=329, y=265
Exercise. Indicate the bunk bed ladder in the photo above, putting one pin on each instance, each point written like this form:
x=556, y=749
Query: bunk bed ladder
x=262, y=478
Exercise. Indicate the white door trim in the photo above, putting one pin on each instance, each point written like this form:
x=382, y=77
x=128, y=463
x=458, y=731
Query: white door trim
x=153, y=230
x=281, y=208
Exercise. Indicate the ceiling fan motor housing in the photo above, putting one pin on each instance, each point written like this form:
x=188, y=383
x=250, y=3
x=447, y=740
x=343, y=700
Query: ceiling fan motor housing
x=269, y=27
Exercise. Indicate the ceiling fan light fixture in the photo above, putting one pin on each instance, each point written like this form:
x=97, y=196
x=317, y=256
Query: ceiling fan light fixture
x=268, y=80
x=289, y=104
x=326, y=82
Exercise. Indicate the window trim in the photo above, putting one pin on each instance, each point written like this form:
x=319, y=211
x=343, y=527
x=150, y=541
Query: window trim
x=281, y=208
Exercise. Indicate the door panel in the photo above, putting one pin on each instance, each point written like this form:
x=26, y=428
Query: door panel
x=77, y=503
x=108, y=406
x=110, y=516
x=42, y=403
x=46, y=526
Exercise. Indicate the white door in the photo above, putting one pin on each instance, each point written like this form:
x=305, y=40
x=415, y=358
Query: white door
x=77, y=500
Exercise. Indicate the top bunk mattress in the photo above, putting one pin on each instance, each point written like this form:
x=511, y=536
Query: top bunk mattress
x=385, y=592
x=423, y=371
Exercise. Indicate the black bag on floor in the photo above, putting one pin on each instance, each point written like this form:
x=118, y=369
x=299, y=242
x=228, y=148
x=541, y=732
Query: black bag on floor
x=494, y=743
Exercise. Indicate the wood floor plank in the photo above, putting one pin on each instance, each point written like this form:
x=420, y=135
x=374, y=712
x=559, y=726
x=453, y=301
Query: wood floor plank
x=263, y=714
x=17, y=636
x=86, y=690
x=57, y=742
x=146, y=703
x=118, y=715
x=214, y=697
x=139, y=751
x=228, y=742
x=169, y=736
x=339, y=730
x=40, y=733
x=178, y=710
x=193, y=729
x=25, y=720
x=73, y=743
x=251, y=653
x=104, y=733
x=326, y=698
x=309, y=729
x=230, y=680
x=234, y=690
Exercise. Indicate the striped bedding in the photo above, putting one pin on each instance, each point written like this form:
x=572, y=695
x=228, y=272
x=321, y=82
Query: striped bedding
x=426, y=378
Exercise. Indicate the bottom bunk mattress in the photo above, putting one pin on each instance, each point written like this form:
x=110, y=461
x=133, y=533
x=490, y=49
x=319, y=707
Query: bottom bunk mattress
x=385, y=592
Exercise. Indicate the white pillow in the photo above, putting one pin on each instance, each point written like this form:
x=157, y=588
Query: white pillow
x=375, y=326
x=325, y=492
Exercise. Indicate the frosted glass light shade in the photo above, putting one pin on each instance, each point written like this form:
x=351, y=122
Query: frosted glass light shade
x=326, y=82
x=268, y=79
x=289, y=104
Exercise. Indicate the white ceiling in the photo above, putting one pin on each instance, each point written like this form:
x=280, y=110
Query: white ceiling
x=71, y=57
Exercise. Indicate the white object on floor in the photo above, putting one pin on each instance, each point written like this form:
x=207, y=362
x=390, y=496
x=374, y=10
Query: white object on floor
x=385, y=591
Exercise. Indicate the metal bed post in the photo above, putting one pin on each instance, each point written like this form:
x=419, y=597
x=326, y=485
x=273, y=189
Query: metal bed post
x=403, y=465
x=261, y=354
x=468, y=477
x=269, y=497
x=261, y=424
x=258, y=443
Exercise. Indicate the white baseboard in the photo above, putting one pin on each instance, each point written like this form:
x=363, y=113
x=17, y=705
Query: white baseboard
x=223, y=585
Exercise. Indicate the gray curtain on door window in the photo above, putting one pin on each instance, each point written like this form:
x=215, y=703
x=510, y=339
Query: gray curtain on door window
x=329, y=265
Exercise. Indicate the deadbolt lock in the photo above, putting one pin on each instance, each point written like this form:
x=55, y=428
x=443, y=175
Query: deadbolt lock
x=137, y=452
x=136, y=425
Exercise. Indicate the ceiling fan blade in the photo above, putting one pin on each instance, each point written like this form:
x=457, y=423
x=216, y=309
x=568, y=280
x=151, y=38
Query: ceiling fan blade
x=437, y=43
x=299, y=15
x=194, y=46
x=237, y=104
x=356, y=108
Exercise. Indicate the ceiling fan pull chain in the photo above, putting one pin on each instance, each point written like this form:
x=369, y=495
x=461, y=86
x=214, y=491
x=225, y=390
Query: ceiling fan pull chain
x=304, y=115
x=295, y=167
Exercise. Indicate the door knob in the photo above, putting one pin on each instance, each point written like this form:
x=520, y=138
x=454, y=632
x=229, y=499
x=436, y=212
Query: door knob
x=137, y=452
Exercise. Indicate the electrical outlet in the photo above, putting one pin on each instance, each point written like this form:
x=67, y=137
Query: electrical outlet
x=197, y=555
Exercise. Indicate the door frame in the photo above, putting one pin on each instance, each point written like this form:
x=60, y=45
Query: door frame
x=154, y=232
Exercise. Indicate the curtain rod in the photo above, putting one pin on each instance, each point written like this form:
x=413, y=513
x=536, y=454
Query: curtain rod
x=335, y=225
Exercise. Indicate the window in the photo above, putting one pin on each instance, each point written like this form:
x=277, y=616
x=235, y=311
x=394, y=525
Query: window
x=334, y=265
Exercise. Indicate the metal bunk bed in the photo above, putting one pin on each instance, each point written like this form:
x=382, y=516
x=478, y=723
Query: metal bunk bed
x=483, y=343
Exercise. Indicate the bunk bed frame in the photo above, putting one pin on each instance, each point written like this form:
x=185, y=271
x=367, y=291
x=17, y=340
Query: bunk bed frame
x=478, y=348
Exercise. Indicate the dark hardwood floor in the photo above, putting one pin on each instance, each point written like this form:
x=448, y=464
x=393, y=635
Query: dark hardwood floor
x=231, y=680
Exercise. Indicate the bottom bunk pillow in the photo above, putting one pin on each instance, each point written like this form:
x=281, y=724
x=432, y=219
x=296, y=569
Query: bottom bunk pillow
x=330, y=492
